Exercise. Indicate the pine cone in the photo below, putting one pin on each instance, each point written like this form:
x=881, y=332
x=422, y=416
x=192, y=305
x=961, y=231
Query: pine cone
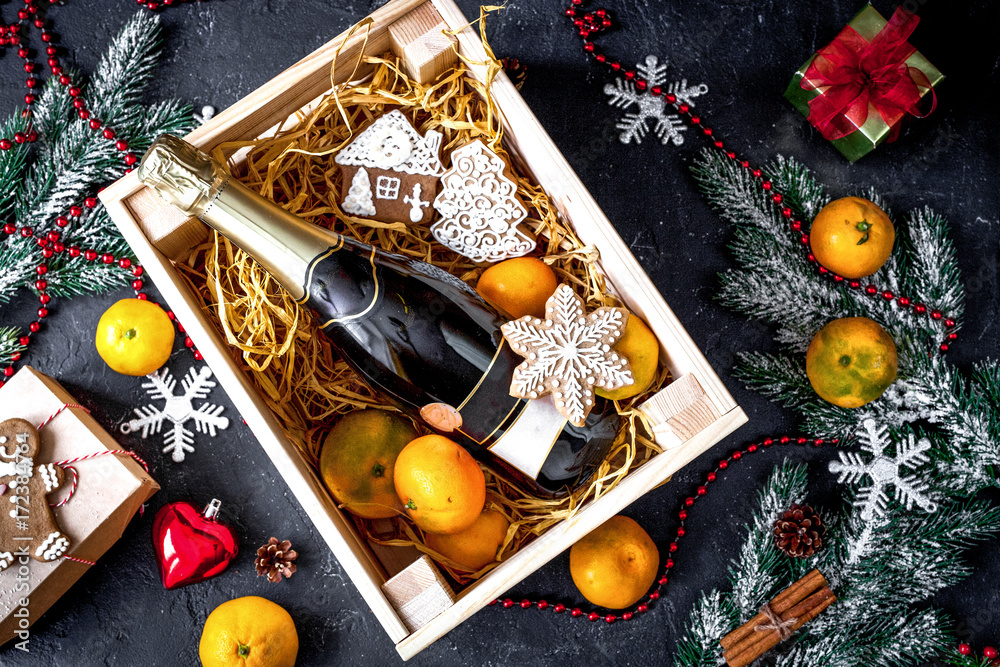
x=276, y=559
x=799, y=532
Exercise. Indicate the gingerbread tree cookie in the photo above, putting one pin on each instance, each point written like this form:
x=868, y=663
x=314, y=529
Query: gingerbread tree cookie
x=390, y=172
x=568, y=354
x=29, y=523
x=479, y=207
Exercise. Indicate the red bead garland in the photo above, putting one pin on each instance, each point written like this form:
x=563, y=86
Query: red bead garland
x=49, y=244
x=673, y=547
x=593, y=23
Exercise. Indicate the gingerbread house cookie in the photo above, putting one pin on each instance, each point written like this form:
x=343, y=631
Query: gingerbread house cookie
x=390, y=172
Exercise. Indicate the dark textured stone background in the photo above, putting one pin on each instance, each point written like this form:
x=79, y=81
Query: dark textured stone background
x=216, y=52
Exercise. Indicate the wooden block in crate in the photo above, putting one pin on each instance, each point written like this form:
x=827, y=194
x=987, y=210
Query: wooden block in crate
x=423, y=48
x=679, y=411
x=419, y=593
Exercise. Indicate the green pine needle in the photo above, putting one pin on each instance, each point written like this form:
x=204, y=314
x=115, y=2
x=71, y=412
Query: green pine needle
x=70, y=161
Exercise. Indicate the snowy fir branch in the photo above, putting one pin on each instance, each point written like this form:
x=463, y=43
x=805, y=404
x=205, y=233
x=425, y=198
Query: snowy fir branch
x=70, y=161
x=881, y=571
x=912, y=460
x=774, y=282
x=10, y=343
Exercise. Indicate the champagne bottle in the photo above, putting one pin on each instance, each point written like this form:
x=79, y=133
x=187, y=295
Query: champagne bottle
x=417, y=335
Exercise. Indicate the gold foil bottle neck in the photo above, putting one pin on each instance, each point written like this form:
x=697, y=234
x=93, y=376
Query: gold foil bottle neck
x=181, y=174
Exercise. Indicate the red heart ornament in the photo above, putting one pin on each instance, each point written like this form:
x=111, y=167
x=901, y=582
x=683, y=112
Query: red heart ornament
x=191, y=544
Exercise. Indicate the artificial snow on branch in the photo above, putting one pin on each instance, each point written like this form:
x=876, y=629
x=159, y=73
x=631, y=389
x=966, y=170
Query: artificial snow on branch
x=39, y=182
x=928, y=444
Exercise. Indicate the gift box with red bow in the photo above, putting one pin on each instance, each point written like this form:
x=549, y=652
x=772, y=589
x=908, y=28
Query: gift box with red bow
x=857, y=89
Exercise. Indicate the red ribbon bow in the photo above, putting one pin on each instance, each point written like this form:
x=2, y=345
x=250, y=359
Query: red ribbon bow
x=857, y=74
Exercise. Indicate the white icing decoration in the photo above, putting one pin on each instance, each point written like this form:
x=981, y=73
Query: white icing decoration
x=49, y=476
x=391, y=147
x=382, y=146
x=3, y=439
x=54, y=546
x=6, y=558
x=359, y=197
x=417, y=205
x=387, y=187
x=22, y=468
x=568, y=353
x=479, y=209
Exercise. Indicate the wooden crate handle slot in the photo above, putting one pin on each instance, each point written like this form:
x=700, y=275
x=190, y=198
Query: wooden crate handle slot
x=422, y=47
x=679, y=411
x=419, y=593
x=168, y=230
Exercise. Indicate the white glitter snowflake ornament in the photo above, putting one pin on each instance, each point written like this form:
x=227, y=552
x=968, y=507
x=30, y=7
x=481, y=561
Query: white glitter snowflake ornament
x=668, y=125
x=568, y=354
x=178, y=410
x=885, y=472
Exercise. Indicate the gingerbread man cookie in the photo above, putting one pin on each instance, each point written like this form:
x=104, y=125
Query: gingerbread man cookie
x=28, y=527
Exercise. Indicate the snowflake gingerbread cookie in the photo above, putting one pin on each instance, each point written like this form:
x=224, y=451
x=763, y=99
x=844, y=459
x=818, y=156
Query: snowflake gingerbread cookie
x=28, y=527
x=390, y=172
x=479, y=207
x=568, y=354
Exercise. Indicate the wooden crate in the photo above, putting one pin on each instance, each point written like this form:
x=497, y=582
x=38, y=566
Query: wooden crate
x=702, y=410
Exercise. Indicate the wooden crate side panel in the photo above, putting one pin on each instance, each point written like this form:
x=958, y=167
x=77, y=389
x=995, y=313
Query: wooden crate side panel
x=338, y=532
x=525, y=136
x=561, y=537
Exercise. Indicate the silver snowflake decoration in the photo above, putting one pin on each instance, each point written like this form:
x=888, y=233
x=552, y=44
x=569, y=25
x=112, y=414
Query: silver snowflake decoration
x=884, y=471
x=668, y=126
x=178, y=410
x=568, y=354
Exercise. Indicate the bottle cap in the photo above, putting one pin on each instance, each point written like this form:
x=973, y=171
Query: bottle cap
x=181, y=174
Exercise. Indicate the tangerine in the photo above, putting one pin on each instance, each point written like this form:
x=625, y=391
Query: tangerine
x=475, y=547
x=249, y=632
x=518, y=286
x=852, y=237
x=134, y=337
x=851, y=361
x=639, y=345
x=441, y=486
x=614, y=565
x=358, y=459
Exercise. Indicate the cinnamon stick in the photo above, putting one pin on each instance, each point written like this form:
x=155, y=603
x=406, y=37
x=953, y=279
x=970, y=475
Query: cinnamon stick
x=802, y=601
x=791, y=596
x=760, y=642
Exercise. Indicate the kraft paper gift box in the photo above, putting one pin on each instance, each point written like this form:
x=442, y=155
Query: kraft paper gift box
x=110, y=490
